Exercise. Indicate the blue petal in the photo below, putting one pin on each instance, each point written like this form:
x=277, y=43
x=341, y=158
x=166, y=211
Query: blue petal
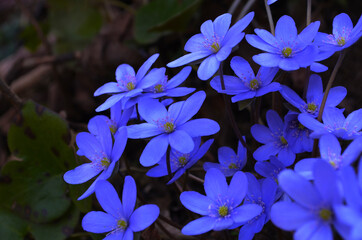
x=300, y=189
x=226, y=155
x=329, y=147
x=200, y=127
x=315, y=89
x=208, y=67
x=188, y=58
x=108, y=199
x=114, y=235
x=341, y=23
x=81, y=173
x=143, y=130
x=318, y=67
x=195, y=43
x=257, y=42
x=154, y=150
x=181, y=141
x=111, y=87
x=128, y=235
x=199, y=226
x=274, y=121
x=292, y=97
x=98, y=222
x=315, y=230
x=335, y=96
x=308, y=33
x=223, y=223
x=179, y=78
x=146, y=66
x=254, y=190
x=307, y=56
x=110, y=102
x=266, y=36
x=266, y=74
x=179, y=92
x=246, y=232
x=143, y=217
x=196, y=202
x=238, y=188
x=90, y=190
x=175, y=109
x=190, y=107
x=310, y=122
x=177, y=175
x=290, y=216
x=269, y=188
x=288, y=64
x=246, y=212
x=159, y=170
x=223, y=53
x=333, y=117
x=264, y=152
x=222, y=24
x=261, y=133
x=234, y=35
x=151, y=110
x=242, y=69
x=353, y=122
x=207, y=29
x=89, y=144
x=325, y=180
x=215, y=184
x=272, y=87
x=233, y=85
x=285, y=29
x=202, y=150
x=123, y=71
x=267, y=59
x=286, y=156
x=305, y=167
x=351, y=187
x=120, y=142
x=129, y=196
x=352, y=152
x=243, y=96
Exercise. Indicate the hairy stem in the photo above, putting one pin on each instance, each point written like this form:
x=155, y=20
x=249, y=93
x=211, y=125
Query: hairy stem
x=270, y=18
x=309, y=11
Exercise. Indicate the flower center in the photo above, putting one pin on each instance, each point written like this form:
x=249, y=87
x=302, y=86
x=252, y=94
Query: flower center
x=232, y=166
x=287, y=51
x=311, y=107
x=159, y=88
x=113, y=128
x=182, y=161
x=254, y=84
x=215, y=47
x=223, y=211
x=283, y=140
x=325, y=214
x=105, y=162
x=122, y=224
x=130, y=86
x=169, y=127
x=341, y=41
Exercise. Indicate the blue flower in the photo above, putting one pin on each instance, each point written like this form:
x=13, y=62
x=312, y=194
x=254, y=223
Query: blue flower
x=330, y=150
x=344, y=34
x=286, y=50
x=129, y=84
x=120, y=219
x=271, y=1
x=165, y=87
x=214, y=43
x=314, y=96
x=171, y=127
x=180, y=162
x=263, y=193
x=311, y=214
x=274, y=139
x=246, y=85
x=351, y=214
x=102, y=153
x=230, y=163
x=220, y=207
x=270, y=169
x=297, y=134
x=334, y=122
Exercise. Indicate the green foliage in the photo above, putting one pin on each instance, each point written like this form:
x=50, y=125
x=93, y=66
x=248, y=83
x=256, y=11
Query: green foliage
x=75, y=23
x=160, y=17
x=36, y=199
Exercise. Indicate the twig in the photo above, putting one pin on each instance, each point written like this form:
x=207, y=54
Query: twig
x=309, y=11
x=270, y=17
x=196, y=178
x=233, y=6
x=168, y=162
x=245, y=9
x=10, y=95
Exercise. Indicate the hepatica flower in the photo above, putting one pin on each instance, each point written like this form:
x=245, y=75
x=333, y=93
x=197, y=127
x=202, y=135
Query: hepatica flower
x=297, y=134
x=311, y=214
x=263, y=193
x=314, y=96
x=102, y=153
x=180, y=162
x=165, y=87
x=334, y=122
x=220, y=207
x=171, y=127
x=214, y=43
x=230, y=162
x=344, y=34
x=286, y=50
x=274, y=139
x=120, y=219
x=330, y=152
x=270, y=169
x=246, y=85
x=129, y=84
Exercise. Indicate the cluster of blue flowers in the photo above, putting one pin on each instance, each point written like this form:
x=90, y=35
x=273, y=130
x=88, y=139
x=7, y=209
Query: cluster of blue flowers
x=310, y=197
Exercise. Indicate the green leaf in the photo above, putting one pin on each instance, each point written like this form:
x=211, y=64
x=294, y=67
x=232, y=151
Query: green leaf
x=244, y=103
x=12, y=227
x=75, y=23
x=160, y=17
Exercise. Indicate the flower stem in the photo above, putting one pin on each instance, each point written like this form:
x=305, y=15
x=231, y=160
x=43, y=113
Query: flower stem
x=10, y=95
x=196, y=178
x=309, y=11
x=270, y=18
x=168, y=162
x=229, y=111
x=324, y=100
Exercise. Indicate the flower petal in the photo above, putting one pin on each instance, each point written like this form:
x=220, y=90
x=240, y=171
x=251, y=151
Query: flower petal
x=143, y=130
x=200, y=127
x=181, y=141
x=238, y=188
x=272, y=87
x=222, y=24
x=110, y=102
x=154, y=150
x=108, y=199
x=261, y=133
x=190, y=107
x=129, y=196
x=264, y=152
x=143, y=217
x=146, y=66
x=179, y=78
x=208, y=67
x=246, y=212
x=188, y=58
x=315, y=89
x=199, y=226
x=215, y=184
x=151, y=110
x=123, y=71
x=267, y=59
x=196, y=202
x=98, y=222
x=119, y=144
x=81, y=174
x=285, y=29
x=195, y=43
x=111, y=87
x=258, y=42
